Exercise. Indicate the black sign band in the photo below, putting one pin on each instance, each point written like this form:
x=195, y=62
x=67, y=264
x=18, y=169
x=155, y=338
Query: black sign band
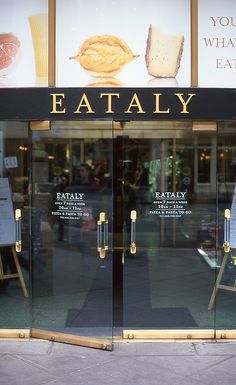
x=118, y=103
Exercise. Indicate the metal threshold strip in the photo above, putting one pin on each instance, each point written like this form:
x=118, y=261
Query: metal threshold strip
x=187, y=334
x=164, y=334
x=89, y=342
x=15, y=333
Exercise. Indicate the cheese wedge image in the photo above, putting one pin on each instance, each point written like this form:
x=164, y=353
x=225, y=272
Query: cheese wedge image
x=163, y=53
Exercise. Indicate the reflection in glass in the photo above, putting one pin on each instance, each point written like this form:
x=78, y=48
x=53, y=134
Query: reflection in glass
x=168, y=282
x=14, y=152
x=71, y=174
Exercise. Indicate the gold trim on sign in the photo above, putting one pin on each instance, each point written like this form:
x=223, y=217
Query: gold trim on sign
x=90, y=342
x=39, y=125
x=204, y=126
x=52, y=43
x=194, y=43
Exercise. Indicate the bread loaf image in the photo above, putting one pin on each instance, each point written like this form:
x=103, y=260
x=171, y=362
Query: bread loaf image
x=104, y=55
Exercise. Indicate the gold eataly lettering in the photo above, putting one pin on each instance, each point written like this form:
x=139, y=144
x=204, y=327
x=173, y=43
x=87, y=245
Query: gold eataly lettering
x=185, y=103
x=135, y=103
x=157, y=110
x=109, y=101
x=57, y=100
x=84, y=103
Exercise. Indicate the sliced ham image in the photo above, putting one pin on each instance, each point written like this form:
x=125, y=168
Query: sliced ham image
x=9, y=49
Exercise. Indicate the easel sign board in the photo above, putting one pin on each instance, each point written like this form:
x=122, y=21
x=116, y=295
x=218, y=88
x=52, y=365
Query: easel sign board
x=7, y=220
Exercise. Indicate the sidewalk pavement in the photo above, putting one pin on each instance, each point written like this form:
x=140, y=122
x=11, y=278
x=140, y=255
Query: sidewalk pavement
x=36, y=362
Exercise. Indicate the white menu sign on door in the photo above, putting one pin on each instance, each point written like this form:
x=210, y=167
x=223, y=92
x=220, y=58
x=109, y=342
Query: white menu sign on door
x=7, y=221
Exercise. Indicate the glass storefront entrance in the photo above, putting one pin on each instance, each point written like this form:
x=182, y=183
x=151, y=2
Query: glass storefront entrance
x=14, y=195
x=72, y=205
x=173, y=190
x=127, y=229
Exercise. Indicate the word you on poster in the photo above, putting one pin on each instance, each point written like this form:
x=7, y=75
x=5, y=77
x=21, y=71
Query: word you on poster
x=222, y=40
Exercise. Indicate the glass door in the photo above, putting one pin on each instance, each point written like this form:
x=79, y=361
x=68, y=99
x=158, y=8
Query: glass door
x=224, y=292
x=167, y=184
x=72, y=206
x=14, y=238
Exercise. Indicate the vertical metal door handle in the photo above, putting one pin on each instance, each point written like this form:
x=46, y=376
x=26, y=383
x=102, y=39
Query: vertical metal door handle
x=226, y=244
x=102, y=235
x=99, y=235
x=18, y=230
x=133, y=217
x=106, y=234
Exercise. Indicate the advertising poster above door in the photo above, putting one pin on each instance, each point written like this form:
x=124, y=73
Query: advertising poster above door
x=217, y=43
x=24, y=43
x=123, y=43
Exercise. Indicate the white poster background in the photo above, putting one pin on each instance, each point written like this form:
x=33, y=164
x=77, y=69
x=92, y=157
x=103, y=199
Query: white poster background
x=7, y=221
x=78, y=20
x=217, y=24
x=14, y=19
